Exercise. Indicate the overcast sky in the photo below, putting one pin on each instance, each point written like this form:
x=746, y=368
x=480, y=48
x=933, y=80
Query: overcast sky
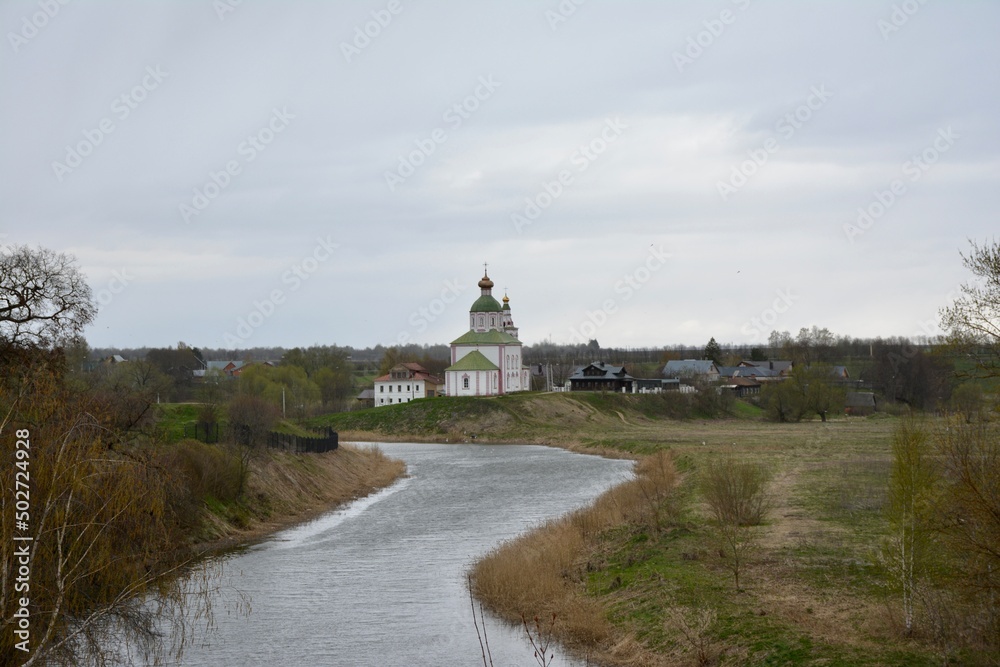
x=262, y=173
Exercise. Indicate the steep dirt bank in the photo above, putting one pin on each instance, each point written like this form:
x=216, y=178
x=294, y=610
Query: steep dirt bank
x=286, y=489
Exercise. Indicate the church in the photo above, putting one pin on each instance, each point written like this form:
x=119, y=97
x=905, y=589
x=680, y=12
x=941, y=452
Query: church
x=486, y=361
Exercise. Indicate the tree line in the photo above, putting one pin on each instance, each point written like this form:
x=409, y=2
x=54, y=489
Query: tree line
x=98, y=516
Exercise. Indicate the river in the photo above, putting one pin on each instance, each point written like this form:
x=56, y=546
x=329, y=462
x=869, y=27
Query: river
x=381, y=582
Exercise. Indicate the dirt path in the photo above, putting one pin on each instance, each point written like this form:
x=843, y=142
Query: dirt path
x=777, y=581
x=790, y=525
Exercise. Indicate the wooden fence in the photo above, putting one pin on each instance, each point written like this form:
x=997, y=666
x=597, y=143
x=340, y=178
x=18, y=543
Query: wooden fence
x=205, y=433
x=327, y=442
x=298, y=444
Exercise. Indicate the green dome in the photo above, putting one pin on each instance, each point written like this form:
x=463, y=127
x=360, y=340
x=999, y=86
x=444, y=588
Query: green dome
x=485, y=304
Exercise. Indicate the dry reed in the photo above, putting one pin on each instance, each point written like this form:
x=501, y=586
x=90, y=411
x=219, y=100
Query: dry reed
x=542, y=572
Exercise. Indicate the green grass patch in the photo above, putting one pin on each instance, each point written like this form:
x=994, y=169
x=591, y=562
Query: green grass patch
x=832, y=568
x=744, y=410
x=176, y=421
x=428, y=416
x=291, y=428
x=645, y=576
x=851, y=493
x=173, y=418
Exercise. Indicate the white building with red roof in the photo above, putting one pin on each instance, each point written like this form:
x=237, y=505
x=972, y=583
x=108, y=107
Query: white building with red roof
x=405, y=382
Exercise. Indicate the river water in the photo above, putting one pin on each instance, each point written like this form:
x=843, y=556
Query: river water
x=381, y=582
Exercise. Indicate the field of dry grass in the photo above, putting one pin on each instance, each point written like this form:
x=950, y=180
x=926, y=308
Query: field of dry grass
x=542, y=575
x=810, y=594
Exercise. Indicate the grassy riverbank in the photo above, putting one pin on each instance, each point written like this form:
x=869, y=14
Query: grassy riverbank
x=628, y=590
x=283, y=489
x=542, y=574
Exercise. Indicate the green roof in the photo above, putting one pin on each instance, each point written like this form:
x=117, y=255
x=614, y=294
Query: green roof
x=485, y=304
x=492, y=337
x=473, y=361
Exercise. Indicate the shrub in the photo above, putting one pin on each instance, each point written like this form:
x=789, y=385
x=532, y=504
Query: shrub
x=210, y=470
x=736, y=491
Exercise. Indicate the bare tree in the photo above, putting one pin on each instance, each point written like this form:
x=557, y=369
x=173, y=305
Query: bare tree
x=44, y=299
x=250, y=420
x=99, y=536
x=973, y=320
x=694, y=626
x=737, y=491
x=126, y=393
x=737, y=495
x=970, y=456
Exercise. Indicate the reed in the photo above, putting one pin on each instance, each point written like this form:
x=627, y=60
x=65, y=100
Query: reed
x=542, y=573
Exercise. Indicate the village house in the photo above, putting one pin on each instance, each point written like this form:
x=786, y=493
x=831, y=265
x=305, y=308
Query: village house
x=231, y=369
x=759, y=373
x=598, y=376
x=404, y=383
x=692, y=369
x=840, y=374
x=780, y=368
x=366, y=399
x=656, y=385
x=860, y=403
x=742, y=386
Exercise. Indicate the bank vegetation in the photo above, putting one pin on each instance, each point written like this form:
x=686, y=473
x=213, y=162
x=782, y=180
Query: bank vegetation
x=854, y=542
x=103, y=519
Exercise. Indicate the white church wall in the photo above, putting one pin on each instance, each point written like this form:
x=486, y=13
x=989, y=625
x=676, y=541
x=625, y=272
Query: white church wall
x=481, y=383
